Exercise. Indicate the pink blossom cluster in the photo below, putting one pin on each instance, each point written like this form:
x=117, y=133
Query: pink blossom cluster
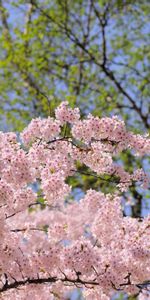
x=66, y=114
x=51, y=243
x=54, y=186
x=113, y=131
x=45, y=129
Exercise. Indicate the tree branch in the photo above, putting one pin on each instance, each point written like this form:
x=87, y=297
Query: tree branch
x=38, y=281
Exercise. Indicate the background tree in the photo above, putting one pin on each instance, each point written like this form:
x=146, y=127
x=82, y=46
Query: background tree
x=95, y=54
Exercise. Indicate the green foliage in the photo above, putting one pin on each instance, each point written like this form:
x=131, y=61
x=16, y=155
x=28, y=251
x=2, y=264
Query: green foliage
x=56, y=48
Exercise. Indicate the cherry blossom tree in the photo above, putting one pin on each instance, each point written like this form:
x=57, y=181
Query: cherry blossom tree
x=50, y=242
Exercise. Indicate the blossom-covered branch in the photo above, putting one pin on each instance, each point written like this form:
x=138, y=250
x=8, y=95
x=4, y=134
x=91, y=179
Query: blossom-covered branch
x=50, y=242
